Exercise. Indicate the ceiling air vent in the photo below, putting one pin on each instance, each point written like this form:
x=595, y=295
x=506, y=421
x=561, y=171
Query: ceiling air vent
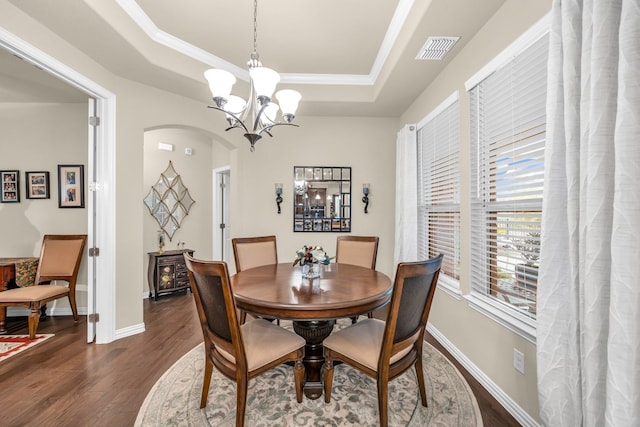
x=436, y=48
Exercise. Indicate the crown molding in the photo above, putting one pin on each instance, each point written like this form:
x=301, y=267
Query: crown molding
x=145, y=23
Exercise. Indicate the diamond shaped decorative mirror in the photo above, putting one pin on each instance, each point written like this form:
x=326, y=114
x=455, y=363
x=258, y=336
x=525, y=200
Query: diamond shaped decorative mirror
x=169, y=201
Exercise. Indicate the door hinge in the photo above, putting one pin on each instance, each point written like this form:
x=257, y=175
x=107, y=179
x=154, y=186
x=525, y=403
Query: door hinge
x=94, y=251
x=94, y=121
x=222, y=226
x=94, y=186
x=93, y=317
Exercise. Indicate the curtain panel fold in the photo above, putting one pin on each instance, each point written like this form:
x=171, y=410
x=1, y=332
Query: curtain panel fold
x=588, y=332
x=406, y=230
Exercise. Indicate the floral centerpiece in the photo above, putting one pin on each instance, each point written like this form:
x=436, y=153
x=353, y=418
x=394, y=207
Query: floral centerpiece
x=310, y=257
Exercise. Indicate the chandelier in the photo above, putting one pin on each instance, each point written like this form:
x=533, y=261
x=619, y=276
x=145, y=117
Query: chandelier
x=257, y=115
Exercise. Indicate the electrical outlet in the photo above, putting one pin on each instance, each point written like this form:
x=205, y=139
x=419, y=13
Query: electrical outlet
x=518, y=360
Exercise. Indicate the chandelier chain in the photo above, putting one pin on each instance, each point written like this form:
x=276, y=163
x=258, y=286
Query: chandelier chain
x=255, y=30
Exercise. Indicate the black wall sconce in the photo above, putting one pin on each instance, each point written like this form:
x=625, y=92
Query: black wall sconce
x=278, y=195
x=365, y=197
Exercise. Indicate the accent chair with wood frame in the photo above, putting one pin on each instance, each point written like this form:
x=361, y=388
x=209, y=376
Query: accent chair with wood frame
x=60, y=257
x=250, y=252
x=384, y=350
x=357, y=250
x=239, y=352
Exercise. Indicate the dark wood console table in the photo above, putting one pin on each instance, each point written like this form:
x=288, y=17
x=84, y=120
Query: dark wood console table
x=167, y=272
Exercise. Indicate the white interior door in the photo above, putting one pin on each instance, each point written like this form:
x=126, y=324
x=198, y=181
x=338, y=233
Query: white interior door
x=91, y=226
x=222, y=217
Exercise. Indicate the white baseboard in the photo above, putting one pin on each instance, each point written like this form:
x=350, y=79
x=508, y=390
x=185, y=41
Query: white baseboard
x=82, y=311
x=503, y=398
x=129, y=331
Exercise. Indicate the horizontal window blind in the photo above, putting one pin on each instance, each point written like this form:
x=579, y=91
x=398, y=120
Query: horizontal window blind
x=439, y=188
x=508, y=136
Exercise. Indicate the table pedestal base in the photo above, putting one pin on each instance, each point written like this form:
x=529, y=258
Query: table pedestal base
x=313, y=332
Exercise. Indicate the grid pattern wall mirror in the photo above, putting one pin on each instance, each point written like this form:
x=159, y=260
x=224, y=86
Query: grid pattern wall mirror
x=322, y=199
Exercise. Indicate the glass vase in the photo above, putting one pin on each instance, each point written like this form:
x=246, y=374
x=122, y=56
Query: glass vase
x=310, y=271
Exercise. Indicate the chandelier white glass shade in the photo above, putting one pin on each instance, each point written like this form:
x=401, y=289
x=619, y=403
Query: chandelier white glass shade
x=258, y=114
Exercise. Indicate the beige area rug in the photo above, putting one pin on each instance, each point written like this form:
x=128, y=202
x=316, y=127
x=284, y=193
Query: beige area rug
x=174, y=400
x=10, y=345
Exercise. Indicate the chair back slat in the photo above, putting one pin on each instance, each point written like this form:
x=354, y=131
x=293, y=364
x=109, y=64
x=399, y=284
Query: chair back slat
x=415, y=293
x=215, y=303
x=357, y=250
x=210, y=296
x=60, y=257
x=413, y=290
x=250, y=252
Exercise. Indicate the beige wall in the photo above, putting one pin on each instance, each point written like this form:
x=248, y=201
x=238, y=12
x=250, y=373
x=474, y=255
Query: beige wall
x=367, y=145
x=488, y=345
x=39, y=137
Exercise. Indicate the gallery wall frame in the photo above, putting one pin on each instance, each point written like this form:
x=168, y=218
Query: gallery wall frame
x=71, y=186
x=37, y=185
x=10, y=182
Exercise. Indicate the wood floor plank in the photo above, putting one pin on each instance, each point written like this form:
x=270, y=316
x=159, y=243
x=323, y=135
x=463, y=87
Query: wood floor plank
x=67, y=382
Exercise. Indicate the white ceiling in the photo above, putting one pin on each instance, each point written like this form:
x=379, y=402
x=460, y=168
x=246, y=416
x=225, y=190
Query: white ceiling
x=346, y=57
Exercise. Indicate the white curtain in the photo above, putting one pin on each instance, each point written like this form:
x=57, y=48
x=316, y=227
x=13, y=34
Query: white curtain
x=588, y=334
x=406, y=244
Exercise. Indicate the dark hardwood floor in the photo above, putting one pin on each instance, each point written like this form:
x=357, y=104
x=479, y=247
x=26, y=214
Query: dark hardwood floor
x=67, y=382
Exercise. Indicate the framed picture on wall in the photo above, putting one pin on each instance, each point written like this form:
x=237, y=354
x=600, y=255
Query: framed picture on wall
x=10, y=180
x=71, y=186
x=37, y=184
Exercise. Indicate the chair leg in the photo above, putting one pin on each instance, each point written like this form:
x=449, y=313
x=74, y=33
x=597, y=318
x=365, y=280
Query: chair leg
x=327, y=376
x=241, y=400
x=74, y=307
x=420, y=375
x=34, y=319
x=243, y=317
x=298, y=373
x=208, y=370
x=383, y=397
x=354, y=319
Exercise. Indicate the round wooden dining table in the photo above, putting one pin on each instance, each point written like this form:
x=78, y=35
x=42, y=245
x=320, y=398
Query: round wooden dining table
x=280, y=291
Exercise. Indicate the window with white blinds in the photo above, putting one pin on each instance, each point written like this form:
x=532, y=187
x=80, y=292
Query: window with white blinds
x=507, y=144
x=439, y=187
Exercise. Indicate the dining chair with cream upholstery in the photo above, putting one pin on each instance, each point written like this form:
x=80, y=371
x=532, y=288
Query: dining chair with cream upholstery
x=60, y=257
x=250, y=252
x=239, y=352
x=357, y=250
x=384, y=350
